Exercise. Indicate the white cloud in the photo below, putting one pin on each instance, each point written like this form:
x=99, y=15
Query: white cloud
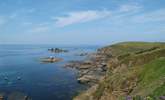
x=90, y=15
x=80, y=17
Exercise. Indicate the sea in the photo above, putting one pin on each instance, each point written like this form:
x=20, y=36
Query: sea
x=23, y=74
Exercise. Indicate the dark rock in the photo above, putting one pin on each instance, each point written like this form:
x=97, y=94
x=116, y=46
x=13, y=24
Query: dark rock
x=91, y=70
x=82, y=54
x=1, y=97
x=18, y=78
x=18, y=96
x=73, y=64
x=57, y=50
x=6, y=78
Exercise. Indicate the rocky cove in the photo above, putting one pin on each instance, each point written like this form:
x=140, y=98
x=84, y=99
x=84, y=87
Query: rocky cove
x=123, y=71
x=90, y=71
x=120, y=71
x=113, y=72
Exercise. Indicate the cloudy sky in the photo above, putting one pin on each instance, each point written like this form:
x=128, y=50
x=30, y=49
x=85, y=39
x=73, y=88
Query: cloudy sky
x=81, y=21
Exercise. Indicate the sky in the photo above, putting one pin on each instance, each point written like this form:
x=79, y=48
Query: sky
x=93, y=22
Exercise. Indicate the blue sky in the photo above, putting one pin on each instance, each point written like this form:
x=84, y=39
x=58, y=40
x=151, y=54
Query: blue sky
x=81, y=21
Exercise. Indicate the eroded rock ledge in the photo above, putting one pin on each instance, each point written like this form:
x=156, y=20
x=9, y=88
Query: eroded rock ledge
x=92, y=70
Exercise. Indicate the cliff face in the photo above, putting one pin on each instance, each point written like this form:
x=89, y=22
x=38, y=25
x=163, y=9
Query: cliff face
x=135, y=70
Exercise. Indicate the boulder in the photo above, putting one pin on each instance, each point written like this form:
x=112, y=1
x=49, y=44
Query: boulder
x=82, y=54
x=91, y=70
x=1, y=97
x=86, y=79
x=57, y=50
x=18, y=96
x=81, y=67
x=51, y=59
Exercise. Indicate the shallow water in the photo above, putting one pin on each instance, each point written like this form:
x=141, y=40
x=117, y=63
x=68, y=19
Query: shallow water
x=22, y=71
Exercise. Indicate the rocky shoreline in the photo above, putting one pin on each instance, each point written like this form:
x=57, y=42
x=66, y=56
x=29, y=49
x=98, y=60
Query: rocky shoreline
x=113, y=72
x=90, y=71
x=121, y=71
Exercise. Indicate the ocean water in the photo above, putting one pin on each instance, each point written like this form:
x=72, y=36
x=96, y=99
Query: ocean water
x=22, y=72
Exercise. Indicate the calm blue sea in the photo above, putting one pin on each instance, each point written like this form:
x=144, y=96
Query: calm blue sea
x=40, y=81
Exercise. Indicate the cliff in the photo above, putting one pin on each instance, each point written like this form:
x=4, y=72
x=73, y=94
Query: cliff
x=135, y=70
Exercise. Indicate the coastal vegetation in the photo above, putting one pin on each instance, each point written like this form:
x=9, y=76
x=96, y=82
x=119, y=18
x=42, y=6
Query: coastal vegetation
x=135, y=71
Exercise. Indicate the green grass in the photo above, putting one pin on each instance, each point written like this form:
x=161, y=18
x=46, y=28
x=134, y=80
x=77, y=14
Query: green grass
x=159, y=91
x=142, y=63
x=132, y=47
x=152, y=79
x=142, y=58
x=147, y=65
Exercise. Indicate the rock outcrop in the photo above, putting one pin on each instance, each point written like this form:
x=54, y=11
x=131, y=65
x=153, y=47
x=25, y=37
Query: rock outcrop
x=92, y=70
x=51, y=59
x=129, y=69
x=14, y=96
x=57, y=50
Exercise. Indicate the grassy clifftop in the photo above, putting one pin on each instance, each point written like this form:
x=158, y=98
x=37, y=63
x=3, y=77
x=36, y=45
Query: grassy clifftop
x=136, y=69
x=130, y=47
